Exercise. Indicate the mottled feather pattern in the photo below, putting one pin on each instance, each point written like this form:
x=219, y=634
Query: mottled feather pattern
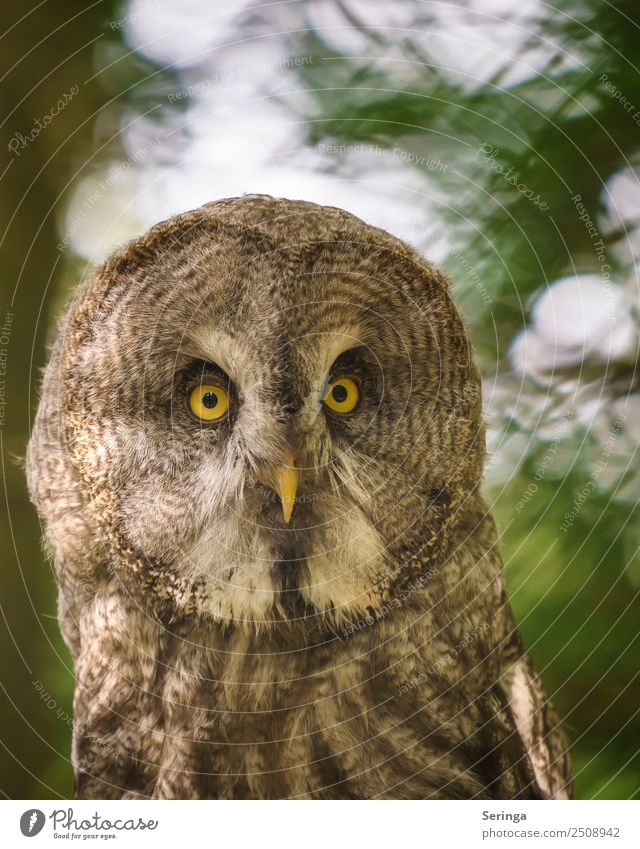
x=365, y=650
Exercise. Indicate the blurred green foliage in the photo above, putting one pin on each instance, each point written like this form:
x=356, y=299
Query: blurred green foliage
x=46, y=50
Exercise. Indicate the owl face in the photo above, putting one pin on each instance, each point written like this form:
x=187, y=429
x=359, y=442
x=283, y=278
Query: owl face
x=274, y=410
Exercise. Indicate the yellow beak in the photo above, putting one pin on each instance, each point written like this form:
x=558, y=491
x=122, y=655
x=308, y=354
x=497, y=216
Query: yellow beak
x=284, y=481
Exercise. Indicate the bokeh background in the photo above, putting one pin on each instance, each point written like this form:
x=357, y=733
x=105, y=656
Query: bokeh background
x=503, y=140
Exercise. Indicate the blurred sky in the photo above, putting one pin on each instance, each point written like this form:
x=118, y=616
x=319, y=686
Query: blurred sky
x=239, y=132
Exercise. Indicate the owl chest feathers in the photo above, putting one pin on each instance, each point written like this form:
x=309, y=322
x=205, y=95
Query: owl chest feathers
x=387, y=709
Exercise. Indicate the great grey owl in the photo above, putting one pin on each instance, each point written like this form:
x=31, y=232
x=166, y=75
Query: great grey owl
x=258, y=456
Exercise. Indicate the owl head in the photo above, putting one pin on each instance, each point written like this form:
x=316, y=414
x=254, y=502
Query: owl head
x=273, y=413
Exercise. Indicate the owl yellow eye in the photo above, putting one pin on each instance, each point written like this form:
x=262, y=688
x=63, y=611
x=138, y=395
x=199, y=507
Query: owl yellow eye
x=342, y=396
x=208, y=402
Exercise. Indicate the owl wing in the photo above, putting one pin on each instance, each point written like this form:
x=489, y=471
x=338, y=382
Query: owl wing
x=535, y=721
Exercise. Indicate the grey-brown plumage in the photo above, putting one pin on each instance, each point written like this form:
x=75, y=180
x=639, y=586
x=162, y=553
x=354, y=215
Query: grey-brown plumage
x=365, y=649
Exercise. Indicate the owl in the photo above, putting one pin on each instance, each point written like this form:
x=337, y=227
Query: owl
x=258, y=456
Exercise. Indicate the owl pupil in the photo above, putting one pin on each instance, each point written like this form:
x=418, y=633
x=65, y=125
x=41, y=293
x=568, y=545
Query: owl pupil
x=210, y=400
x=339, y=394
